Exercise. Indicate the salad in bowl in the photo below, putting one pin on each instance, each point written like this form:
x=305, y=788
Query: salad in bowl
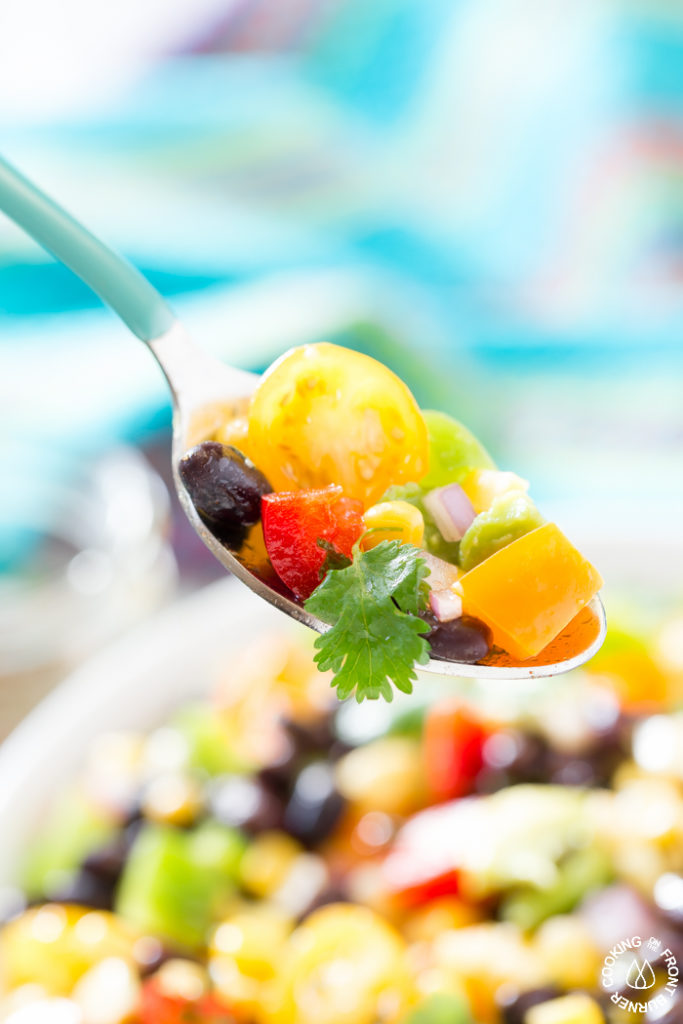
x=269, y=855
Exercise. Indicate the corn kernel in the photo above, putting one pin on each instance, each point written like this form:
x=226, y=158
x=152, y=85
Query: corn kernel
x=440, y=915
x=393, y=520
x=172, y=799
x=568, y=952
x=255, y=939
x=267, y=861
x=242, y=992
x=182, y=979
x=484, y=958
x=572, y=1009
x=386, y=775
x=109, y=993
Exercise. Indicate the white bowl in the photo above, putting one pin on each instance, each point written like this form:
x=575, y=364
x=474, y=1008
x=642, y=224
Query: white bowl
x=132, y=684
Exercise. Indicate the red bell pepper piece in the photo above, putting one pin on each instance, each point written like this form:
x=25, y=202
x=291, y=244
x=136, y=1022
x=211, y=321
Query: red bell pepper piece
x=453, y=744
x=294, y=522
x=427, y=856
x=159, y=1007
x=418, y=895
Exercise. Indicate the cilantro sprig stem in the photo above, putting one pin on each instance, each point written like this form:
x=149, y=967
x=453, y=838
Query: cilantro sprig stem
x=376, y=637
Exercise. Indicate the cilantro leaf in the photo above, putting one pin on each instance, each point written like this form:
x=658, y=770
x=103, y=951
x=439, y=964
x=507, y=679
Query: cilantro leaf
x=376, y=635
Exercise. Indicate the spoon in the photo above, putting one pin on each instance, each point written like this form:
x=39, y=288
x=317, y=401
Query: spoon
x=198, y=382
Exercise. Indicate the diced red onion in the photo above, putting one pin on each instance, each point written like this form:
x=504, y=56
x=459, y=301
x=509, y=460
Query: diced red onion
x=452, y=511
x=442, y=574
x=445, y=604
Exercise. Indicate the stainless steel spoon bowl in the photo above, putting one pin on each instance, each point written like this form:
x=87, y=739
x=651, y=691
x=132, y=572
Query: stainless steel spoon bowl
x=198, y=382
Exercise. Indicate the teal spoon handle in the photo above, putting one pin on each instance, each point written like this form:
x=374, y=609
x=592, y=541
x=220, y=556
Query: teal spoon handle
x=117, y=283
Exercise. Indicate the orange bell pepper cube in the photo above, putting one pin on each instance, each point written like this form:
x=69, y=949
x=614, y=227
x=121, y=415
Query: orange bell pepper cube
x=527, y=592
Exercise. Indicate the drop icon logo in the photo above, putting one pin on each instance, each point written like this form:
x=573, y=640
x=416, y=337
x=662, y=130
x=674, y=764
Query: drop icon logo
x=640, y=976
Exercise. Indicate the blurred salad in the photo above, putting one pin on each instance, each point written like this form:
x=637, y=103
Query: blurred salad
x=270, y=856
x=390, y=524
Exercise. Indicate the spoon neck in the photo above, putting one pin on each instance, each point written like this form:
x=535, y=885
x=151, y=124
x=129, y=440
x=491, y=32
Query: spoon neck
x=194, y=376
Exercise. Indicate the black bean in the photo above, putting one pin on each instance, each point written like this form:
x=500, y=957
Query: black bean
x=522, y=755
x=302, y=743
x=225, y=488
x=247, y=803
x=106, y=862
x=150, y=954
x=609, y=747
x=87, y=890
x=309, y=738
x=569, y=770
x=490, y=780
x=315, y=805
x=133, y=828
x=280, y=774
x=466, y=640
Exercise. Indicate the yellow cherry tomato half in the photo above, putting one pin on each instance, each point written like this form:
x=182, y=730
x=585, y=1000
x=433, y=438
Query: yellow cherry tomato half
x=323, y=414
x=345, y=965
x=54, y=945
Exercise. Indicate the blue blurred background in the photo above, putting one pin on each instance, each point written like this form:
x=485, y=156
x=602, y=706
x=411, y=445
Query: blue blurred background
x=485, y=194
